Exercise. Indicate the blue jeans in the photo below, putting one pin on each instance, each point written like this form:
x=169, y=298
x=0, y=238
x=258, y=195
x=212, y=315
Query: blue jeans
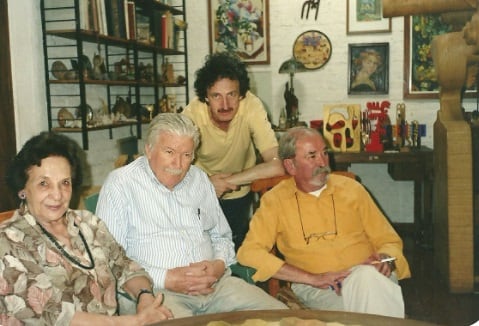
x=238, y=212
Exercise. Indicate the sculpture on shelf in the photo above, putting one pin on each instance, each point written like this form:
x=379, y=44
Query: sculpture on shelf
x=291, y=67
x=341, y=127
x=377, y=119
x=291, y=106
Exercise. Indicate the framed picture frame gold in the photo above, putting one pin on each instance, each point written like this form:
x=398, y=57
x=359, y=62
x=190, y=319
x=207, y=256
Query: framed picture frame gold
x=313, y=49
x=239, y=29
x=365, y=17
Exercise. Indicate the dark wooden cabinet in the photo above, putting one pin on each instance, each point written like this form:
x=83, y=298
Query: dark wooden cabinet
x=475, y=187
x=7, y=132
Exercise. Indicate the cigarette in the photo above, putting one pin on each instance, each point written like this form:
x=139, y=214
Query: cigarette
x=384, y=260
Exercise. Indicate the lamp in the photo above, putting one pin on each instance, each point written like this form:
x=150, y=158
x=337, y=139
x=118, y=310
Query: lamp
x=291, y=67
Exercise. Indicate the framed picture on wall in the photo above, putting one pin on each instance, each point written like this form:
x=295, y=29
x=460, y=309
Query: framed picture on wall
x=234, y=27
x=366, y=16
x=419, y=73
x=368, y=68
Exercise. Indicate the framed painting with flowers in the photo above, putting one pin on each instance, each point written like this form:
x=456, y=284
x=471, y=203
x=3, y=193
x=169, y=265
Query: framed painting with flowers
x=240, y=26
x=419, y=74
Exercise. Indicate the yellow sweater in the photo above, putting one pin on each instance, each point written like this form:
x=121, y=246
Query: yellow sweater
x=344, y=207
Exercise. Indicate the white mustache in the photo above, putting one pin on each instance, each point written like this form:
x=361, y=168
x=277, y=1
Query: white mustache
x=173, y=171
x=324, y=169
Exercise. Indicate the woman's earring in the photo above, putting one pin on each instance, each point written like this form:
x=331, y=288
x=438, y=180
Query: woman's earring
x=22, y=195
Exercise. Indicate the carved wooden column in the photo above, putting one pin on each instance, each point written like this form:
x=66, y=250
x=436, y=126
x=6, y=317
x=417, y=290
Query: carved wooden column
x=453, y=217
x=453, y=194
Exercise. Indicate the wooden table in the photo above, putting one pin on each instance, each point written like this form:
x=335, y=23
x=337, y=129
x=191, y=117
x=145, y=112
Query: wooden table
x=415, y=165
x=346, y=318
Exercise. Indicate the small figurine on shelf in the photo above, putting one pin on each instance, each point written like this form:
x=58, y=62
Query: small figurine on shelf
x=282, y=119
x=404, y=131
x=292, y=113
x=167, y=72
x=99, y=69
x=164, y=104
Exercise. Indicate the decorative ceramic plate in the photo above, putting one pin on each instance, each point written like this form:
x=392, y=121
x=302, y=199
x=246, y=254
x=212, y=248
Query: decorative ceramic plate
x=313, y=49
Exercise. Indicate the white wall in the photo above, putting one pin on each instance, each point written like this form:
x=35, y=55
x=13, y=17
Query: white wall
x=27, y=69
x=314, y=89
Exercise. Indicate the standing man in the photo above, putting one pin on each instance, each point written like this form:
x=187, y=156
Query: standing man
x=233, y=126
x=340, y=252
x=165, y=213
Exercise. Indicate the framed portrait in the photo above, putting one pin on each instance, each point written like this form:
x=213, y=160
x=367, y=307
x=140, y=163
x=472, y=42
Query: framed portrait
x=366, y=16
x=368, y=68
x=313, y=49
x=419, y=73
x=240, y=28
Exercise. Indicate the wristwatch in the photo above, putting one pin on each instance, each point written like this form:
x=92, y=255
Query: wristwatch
x=143, y=291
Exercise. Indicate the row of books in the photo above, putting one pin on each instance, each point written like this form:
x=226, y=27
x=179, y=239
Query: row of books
x=109, y=17
x=120, y=18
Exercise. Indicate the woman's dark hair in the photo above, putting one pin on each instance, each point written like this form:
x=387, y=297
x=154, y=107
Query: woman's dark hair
x=218, y=66
x=44, y=145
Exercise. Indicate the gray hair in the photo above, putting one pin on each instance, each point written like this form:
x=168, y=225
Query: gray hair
x=174, y=123
x=287, y=142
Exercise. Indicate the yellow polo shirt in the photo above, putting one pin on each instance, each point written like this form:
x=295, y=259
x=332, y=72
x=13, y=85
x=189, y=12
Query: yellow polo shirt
x=232, y=151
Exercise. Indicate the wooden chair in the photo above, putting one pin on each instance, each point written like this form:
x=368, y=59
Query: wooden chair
x=277, y=288
x=125, y=159
x=6, y=215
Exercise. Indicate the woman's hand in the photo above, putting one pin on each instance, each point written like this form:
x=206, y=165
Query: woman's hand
x=151, y=309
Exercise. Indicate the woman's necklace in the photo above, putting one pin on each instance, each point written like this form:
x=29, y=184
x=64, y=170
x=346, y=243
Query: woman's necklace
x=66, y=254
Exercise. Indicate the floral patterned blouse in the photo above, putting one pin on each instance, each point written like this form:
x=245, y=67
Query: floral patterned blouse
x=40, y=286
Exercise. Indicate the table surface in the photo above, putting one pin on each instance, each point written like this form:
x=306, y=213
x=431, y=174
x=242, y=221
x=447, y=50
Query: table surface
x=346, y=318
x=424, y=153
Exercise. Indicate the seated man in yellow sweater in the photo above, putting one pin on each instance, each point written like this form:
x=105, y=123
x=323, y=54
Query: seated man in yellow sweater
x=332, y=235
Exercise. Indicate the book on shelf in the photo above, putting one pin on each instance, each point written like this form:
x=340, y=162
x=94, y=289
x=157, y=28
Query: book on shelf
x=131, y=15
x=167, y=30
x=125, y=17
x=84, y=16
x=102, y=21
x=92, y=15
x=115, y=18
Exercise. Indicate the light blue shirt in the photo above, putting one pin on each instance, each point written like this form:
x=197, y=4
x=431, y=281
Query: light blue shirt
x=163, y=229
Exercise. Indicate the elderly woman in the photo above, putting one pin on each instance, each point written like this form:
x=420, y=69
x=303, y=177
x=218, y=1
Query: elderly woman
x=60, y=266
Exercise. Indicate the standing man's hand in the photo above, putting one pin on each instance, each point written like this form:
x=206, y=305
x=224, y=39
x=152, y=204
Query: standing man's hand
x=221, y=185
